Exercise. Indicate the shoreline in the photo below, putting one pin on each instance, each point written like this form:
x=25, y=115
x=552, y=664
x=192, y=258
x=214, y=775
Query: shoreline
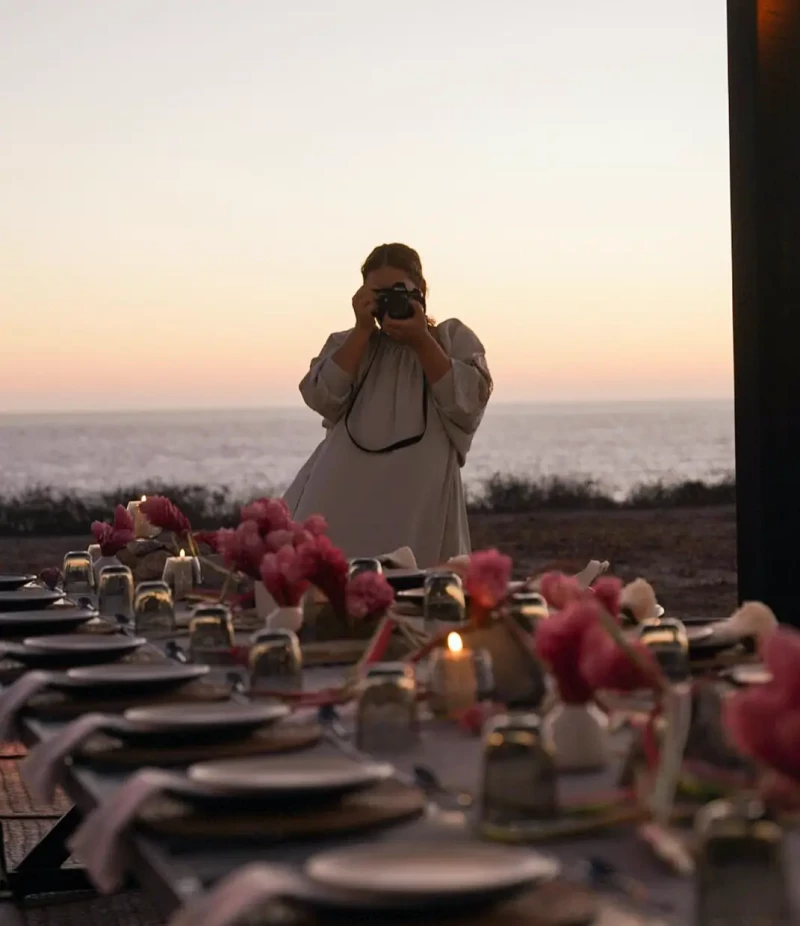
x=688, y=554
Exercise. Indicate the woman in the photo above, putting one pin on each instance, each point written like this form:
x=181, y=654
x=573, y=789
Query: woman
x=401, y=401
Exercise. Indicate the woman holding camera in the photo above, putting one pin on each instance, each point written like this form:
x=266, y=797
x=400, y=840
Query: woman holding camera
x=401, y=398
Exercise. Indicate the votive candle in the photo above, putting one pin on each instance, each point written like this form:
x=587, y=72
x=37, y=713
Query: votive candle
x=180, y=573
x=453, y=684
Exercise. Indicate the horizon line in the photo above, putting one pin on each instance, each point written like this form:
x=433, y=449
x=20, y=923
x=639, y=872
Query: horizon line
x=232, y=409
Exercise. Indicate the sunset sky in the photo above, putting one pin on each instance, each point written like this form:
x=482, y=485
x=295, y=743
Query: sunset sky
x=188, y=188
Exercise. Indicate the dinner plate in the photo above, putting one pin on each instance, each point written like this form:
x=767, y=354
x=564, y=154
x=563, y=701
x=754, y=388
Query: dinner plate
x=132, y=676
x=420, y=875
x=39, y=623
x=71, y=650
x=289, y=776
x=226, y=720
x=28, y=599
x=749, y=675
x=9, y=582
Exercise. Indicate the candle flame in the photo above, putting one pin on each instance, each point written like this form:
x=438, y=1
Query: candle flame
x=182, y=554
x=454, y=643
x=144, y=498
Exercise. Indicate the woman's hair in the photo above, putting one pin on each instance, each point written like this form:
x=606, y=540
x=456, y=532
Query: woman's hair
x=399, y=257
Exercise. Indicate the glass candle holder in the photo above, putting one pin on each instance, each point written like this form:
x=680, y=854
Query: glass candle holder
x=387, y=720
x=484, y=674
x=392, y=670
x=520, y=778
x=357, y=566
x=153, y=608
x=740, y=873
x=443, y=603
x=527, y=609
x=182, y=575
x=276, y=662
x=115, y=592
x=78, y=572
x=666, y=638
x=211, y=627
x=452, y=680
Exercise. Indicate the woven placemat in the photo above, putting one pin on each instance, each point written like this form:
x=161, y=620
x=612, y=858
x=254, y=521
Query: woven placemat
x=383, y=805
x=57, y=705
x=106, y=752
x=20, y=836
x=558, y=903
x=16, y=799
x=128, y=909
x=13, y=750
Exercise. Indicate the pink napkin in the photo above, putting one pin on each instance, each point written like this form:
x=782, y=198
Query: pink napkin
x=43, y=768
x=235, y=896
x=16, y=696
x=98, y=841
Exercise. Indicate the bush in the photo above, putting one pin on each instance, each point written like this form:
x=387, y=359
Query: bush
x=44, y=511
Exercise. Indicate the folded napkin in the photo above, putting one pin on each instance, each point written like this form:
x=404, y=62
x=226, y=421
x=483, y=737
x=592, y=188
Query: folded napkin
x=591, y=572
x=99, y=840
x=401, y=558
x=237, y=895
x=16, y=696
x=44, y=766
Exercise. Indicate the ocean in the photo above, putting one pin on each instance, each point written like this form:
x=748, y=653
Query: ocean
x=617, y=444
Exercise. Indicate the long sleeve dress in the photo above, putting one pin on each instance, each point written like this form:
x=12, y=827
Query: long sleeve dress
x=377, y=502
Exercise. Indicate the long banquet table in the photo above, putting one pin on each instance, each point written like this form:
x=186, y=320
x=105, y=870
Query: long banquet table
x=171, y=874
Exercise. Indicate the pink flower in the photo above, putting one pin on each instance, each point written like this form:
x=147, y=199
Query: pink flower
x=315, y=525
x=558, y=590
x=51, y=576
x=764, y=721
x=243, y=548
x=368, y=594
x=270, y=514
x=208, y=538
x=326, y=568
x=487, y=578
x=282, y=576
x=608, y=590
x=111, y=538
x=279, y=538
x=162, y=512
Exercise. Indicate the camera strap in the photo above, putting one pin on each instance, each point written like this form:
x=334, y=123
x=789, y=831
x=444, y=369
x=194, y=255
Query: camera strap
x=398, y=445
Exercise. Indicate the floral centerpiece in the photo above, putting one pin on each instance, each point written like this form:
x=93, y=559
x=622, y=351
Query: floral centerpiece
x=582, y=645
x=112, y=538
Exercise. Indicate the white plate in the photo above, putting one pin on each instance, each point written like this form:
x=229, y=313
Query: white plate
x=83, y=643
x=131, y=675
x=287, y=775
x=440, y=872
x=180, y=718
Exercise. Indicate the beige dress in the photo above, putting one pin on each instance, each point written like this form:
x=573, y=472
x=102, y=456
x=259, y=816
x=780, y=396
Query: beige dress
x=376, y=502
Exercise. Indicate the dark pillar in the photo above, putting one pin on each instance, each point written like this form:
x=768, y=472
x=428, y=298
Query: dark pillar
x=764, y=89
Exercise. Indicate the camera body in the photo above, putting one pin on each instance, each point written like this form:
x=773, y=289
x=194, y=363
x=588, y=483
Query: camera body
x=395, y=302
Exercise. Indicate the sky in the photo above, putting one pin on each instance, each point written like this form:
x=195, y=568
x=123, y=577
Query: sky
x=189, y=187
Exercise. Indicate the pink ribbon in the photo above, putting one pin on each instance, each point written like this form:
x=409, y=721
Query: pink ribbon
x=238, y=894
x=44, y=767
x=98, y=841
x=16, y=696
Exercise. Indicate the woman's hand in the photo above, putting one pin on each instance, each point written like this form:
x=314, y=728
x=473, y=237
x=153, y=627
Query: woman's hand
x=364, y=305
x=412, y=331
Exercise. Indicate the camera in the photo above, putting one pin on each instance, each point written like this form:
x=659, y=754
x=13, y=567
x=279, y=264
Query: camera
x=395, y=302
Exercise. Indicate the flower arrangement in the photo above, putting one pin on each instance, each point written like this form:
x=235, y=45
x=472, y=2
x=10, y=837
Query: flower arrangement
x=111, y=538
x=282, y=576
x=368, y=595
x=163, y=513
x=582, y=646
x=763, y=721
x=486, y=581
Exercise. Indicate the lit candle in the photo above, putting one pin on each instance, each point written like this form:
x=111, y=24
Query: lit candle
x=453, y=684
x=142, y=528
x=94, y=551
x=180, y=574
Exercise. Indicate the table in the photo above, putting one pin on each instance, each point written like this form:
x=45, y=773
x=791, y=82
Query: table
x=172, y=875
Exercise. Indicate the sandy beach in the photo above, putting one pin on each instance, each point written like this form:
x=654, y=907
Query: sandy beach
x=689, y=555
